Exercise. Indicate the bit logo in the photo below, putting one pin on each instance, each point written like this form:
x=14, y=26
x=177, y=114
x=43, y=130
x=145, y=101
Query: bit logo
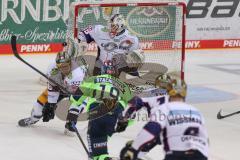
x=35, y=48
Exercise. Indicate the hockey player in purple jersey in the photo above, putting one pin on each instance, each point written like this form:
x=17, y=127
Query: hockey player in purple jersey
x=182, y=131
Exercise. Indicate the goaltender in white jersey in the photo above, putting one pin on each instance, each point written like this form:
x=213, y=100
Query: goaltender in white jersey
x=111, y=40
x=180, y=126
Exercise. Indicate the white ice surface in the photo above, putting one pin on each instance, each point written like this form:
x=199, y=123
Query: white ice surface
x=19, y=88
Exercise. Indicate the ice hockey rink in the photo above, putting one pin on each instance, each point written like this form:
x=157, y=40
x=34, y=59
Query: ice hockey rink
x=213, y=79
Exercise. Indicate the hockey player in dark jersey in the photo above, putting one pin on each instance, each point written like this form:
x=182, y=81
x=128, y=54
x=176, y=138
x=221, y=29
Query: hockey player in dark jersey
x=103, y=90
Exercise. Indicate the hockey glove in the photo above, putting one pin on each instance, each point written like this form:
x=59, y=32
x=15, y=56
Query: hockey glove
x=71, y=126
x=128, y=153
x=121, y=124
x=72, y=119
x=48, y=111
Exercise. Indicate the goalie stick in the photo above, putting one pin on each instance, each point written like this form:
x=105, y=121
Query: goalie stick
x=219, y=116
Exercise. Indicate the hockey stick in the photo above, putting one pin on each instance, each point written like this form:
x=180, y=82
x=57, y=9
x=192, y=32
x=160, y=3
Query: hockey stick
x=96, y=113
x=16, y=54
x=84, y=63
x=80, y=138
x=219, y=116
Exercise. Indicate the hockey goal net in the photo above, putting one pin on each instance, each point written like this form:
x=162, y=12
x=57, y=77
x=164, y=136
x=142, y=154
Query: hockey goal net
x=160, y=27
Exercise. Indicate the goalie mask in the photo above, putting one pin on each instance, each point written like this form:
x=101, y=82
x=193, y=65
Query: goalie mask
x=63, y=62
x=116, y=24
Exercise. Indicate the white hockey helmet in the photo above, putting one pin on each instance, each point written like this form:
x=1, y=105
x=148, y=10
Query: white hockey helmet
x=116, y=24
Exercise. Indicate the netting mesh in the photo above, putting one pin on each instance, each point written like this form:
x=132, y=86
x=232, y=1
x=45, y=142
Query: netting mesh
x=159, y=27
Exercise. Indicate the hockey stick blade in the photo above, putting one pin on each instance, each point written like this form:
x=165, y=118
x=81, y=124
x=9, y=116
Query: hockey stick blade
x=219, y=116
x=14, y=45
x=15, y=52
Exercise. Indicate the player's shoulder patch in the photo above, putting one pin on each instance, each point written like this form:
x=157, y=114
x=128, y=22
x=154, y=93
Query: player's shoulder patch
x=54, y=71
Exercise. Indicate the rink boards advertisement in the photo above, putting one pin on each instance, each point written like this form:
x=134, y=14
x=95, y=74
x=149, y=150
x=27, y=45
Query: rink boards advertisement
x=40, y=25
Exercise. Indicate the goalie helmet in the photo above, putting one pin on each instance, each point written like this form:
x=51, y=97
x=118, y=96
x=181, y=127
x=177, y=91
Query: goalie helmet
x=116, y=24
x=63, y=62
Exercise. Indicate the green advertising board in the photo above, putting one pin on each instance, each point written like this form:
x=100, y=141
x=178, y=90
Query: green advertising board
x=44, y=22
x=33, y=21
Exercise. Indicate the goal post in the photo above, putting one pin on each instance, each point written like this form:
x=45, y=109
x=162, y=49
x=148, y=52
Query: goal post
x=159, y=26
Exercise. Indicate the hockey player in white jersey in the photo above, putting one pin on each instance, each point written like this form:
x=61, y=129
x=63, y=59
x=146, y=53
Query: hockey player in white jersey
x=112, y=40
x=180, y=126
x=66, y=73
x=145, y=100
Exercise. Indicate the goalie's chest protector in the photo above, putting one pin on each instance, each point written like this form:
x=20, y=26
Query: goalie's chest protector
x=110, y=46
